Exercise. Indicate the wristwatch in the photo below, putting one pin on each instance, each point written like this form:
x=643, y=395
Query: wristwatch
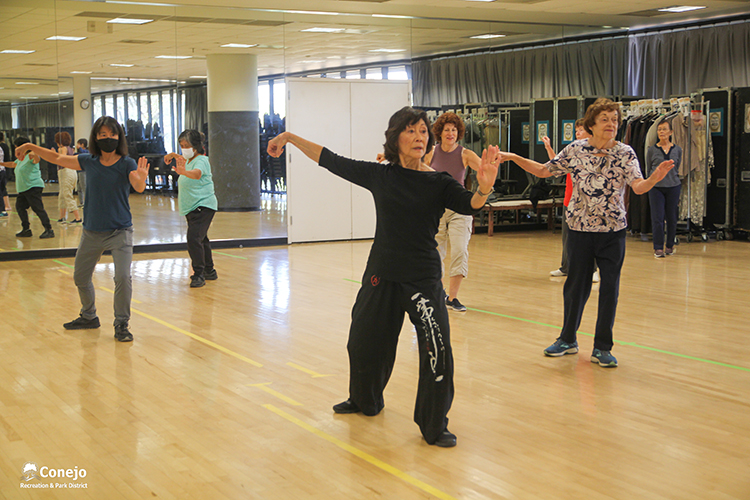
x=480, y=193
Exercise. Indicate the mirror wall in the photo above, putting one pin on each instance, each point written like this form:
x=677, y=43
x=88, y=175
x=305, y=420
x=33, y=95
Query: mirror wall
x=149, y=70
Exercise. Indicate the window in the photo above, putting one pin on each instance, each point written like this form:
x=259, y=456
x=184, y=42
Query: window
x=374, y=74
x=397, y=73
x=170, y=134
x=98, y=111
x=353, y=74
x=144, y=109
x=264, y=99
x=109, y=105
x=120, y=99
x=279, y=98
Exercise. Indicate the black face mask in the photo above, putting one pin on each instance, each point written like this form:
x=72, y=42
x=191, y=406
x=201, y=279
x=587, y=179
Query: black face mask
x=107, y=145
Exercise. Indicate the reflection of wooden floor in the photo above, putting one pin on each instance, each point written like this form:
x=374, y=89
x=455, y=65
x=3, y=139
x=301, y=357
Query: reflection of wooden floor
x=226, y=392
x=155, y=220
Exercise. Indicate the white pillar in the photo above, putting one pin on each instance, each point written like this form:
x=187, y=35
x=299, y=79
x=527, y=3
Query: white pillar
x=82, y=118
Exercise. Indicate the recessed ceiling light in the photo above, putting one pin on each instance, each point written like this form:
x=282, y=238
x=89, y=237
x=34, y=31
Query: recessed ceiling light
x=393, y=17
x=80, y=72
x=607, y=27
x=27, y=83
x=128, y=20
x=479, y=0
x=116, y=65
x=315, y=12
x=66, y=38
x=487, y=36
x=239, y=45
x=28, y=97
x=11, y=51
x=323, y=30
x=174, y=57
x=151, y=4
x=387, y=50
x=681, y=8
x=311, y=61
x=198, y=77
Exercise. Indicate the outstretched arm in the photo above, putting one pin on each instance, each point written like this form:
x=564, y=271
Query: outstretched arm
x=310, y=149
x=51, y=156
x=641, y=186
x=180, y=164
x=530, y=166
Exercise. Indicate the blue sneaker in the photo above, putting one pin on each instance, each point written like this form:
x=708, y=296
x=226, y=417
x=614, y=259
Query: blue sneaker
x=560, y=348
x=604, y=358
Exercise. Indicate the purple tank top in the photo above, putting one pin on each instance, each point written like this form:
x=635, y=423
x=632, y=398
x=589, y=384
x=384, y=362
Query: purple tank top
x=449, y=162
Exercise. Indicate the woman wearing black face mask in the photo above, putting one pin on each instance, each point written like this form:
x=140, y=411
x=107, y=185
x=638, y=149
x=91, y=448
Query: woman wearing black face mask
x=107, y=222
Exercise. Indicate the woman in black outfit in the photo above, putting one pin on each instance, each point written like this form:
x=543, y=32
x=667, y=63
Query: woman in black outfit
x=403, y=271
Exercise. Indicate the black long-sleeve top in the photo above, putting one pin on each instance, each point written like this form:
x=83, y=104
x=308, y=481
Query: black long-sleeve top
x=408, y=205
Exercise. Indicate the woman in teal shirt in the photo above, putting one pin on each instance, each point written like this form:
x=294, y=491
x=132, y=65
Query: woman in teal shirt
x=197, y=202
x=29, y=185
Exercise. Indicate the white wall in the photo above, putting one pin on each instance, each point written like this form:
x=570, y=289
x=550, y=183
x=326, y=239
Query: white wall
x=349, y=117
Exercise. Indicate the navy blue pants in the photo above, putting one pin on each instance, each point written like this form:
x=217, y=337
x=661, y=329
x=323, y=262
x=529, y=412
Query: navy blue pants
x=377, y=318
x=664, y=206
x=198, y=244
x=585, y=251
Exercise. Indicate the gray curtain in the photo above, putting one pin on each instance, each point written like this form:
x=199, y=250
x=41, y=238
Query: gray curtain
x=46, y=114
x=680, y=62
x=6, y=119
x=196, y=107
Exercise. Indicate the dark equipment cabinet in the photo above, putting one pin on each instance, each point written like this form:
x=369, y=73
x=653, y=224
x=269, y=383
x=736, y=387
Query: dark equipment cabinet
x=741, y=156
x=718, y=191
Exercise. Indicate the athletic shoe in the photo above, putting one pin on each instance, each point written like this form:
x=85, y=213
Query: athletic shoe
x=122, y=333
x=81, y=323
x=659, y=254
x=77, y=221
x=560, y=348
x=446, y=439
x=48, y=233
x=455, y=305
x=604, y=358
x=62, y=221
x=210, y=275
x=3, y=214
x=596, y=278
x=669, y=251
x=346, y=407
x=557, y=273
x=197, y=281
x=24, y=233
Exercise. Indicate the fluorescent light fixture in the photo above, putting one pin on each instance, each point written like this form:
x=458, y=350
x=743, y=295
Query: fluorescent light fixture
x=28, y=97
x=393, y=16
x=315, y=12
x=387, y=50
x=607, y=27
x=128, y=20
x=27, y=83
x=239, y=45
x=479, y=0
x=681, y=8
x=11, y=51
x=150, y=4
x=312, y=61
x=198, y=77
x=80, y=72
x=487, y=36
x=323, y=30
x=123, y=80
x=66, y=38
x=174, y=57
x=116, y=65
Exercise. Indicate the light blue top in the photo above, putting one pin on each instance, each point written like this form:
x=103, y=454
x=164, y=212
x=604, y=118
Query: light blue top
x=27, y=175
x=194, y=193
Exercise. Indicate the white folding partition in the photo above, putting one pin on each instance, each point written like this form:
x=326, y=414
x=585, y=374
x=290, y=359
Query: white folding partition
x=349, y=117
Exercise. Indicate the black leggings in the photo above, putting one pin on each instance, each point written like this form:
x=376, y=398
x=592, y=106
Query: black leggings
x=32, y=198
x=199, y=247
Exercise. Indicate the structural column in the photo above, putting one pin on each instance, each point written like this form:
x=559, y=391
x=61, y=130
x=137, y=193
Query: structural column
x=83, y=107
x=233, y=133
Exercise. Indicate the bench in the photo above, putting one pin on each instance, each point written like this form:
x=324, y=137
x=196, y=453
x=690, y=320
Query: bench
x=517, y=205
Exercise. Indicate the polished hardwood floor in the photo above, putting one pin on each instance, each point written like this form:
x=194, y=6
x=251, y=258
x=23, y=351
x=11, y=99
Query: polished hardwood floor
x=226, y=392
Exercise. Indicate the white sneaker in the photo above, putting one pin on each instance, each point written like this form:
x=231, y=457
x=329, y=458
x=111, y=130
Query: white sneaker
x=596, y=277
x=557, y=273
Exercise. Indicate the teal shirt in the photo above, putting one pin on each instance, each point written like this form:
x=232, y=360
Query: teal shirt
x=27, y=175
x=194, y=193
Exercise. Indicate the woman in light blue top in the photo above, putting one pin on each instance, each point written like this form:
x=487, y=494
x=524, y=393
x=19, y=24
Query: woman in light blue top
x=197, y=202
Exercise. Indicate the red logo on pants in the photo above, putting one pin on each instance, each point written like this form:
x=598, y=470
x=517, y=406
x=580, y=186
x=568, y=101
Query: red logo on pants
x=375, y=280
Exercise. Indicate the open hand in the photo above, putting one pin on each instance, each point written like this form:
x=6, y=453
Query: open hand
x=663, y=169
x=487, y=173
x=143, y=166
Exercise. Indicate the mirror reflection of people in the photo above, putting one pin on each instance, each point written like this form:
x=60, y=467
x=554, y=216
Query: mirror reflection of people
x=107, y=223
x=563, y=269
x=664, y=198
x=454, y=229
x=29, y=185
x=601, y=168
x=4, y=156
x=197, y=202
x=403, y=270
x=82, y=147
x=66, y=179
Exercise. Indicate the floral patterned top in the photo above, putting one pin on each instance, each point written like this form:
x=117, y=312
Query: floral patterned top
x=599, y=180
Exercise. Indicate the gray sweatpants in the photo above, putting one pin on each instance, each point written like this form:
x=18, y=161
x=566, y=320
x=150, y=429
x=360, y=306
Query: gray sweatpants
x=90, y=249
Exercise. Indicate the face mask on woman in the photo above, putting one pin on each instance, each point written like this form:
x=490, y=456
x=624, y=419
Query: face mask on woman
x=188, y=153
x=107, y=145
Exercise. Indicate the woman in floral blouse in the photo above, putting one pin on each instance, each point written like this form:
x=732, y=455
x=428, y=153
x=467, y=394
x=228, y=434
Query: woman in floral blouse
x=600, y=168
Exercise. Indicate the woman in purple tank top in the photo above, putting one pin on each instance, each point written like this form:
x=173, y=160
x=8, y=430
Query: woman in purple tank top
x=448, y=156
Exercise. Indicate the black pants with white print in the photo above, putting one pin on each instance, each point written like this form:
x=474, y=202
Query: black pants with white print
x=377, y=318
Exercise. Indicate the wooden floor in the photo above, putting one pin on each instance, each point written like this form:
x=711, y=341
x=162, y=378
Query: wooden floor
x=156, y=219
x=226, y=392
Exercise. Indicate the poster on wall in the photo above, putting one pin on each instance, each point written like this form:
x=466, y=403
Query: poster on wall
x=526, y=132
x=716, y=121
x=542, y=130
x=568, y=131
x=747, y=118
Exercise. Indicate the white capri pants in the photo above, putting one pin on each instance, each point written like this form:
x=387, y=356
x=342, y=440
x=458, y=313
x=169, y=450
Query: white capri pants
x=67, y=179
x=455, y=230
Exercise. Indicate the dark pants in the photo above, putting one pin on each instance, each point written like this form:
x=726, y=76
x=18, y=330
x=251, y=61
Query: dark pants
x=585, y=251
x=199, y=248
x=664, y=205
x=3, y=185
x=377, y=317
x=32, y=198
x=565, y=229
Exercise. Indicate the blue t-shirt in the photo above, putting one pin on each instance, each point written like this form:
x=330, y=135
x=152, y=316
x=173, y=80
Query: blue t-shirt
x=194, y=193
x=107, y=190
